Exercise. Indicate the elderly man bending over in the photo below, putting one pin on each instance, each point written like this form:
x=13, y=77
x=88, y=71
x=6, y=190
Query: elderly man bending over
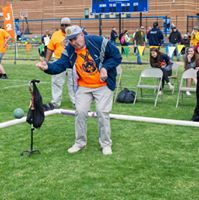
x=94, y=60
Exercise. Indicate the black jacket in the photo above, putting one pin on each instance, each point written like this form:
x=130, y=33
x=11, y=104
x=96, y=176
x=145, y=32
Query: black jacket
x=113, y=35
x=175, y=37
x=155, y=37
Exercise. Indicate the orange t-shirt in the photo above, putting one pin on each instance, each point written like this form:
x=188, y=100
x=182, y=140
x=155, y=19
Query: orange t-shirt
x=3, y=35
x=89, y=75
x=57, y=43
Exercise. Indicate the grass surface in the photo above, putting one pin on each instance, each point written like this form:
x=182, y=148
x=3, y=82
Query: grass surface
x=149, y=161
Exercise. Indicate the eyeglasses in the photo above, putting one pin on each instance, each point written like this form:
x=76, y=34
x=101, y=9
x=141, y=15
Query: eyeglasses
x=65, y=25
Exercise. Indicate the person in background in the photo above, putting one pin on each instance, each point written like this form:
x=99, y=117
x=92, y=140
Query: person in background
x=197, y=50
x=94, y=61
x=191, y=60
x=155, y=36
x=175, y=39
x=56, y=46
x=41, y=51
x=133, y=40
x=4, y=38
x=148, y=29
x=139, y=40
x=113, y=35
x=186, y=42
x=45, y=40
x=162, y=61
x=194, y=36
x=124, y=40
x=84, y=31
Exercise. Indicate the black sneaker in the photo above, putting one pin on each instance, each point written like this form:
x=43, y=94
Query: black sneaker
x=3, y=76
x=48, y=106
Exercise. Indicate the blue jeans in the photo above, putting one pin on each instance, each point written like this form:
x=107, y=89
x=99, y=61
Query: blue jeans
x=139, y=61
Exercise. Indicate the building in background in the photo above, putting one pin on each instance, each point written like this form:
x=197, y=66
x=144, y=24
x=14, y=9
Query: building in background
x=176, y=10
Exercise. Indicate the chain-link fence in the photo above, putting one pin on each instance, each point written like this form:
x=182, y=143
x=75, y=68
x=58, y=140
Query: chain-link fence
x=93, y=26
x=191, y=22
x=27, y=47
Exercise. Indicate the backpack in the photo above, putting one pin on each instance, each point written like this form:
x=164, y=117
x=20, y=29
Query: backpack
x=126, y=96
x=120, y=36
x=35, y=114
x=122, y=41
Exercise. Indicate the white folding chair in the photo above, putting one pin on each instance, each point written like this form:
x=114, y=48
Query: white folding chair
x=188, y=74
x=118, y=81
x=150, y=78
x=174, y=77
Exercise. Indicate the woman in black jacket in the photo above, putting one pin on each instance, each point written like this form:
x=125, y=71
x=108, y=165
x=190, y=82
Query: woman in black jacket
x=162, y=61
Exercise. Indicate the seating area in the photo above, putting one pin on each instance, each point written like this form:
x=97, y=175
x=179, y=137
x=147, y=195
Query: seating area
x=149, y=81
x=188, y=74
x=174, y=77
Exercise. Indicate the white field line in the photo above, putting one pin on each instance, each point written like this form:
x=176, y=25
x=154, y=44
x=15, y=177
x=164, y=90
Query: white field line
x=22, y=81
x=17, y=86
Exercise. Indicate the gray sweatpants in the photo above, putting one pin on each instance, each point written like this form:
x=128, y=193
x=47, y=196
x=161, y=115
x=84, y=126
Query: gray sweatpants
x=57, y=83
x=103, y=97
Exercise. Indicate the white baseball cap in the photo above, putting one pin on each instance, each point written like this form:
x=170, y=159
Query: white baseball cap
x=65, y=20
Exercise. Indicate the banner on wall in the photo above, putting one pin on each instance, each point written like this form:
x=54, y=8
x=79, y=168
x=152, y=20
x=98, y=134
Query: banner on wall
x=8, y=20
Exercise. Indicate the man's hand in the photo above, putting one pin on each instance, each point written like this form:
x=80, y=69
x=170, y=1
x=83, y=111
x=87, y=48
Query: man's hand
x=103, y=74
x=42, y=65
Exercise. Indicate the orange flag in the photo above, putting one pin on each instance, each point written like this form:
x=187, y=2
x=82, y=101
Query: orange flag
x=8, y=20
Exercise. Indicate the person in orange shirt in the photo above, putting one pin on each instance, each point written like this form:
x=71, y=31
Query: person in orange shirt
x=55, y=47
x=4, y=37
x=94, y=61
x=194, y=36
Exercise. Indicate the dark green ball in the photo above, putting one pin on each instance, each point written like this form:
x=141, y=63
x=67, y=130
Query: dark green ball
x=18, y=113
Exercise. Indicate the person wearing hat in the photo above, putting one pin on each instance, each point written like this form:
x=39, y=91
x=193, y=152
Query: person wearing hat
x=139, y=40
x=194, y=36
x=186, y=42
x=94, y=60
x=175, y=39
x=155, y=36
x=56, y=46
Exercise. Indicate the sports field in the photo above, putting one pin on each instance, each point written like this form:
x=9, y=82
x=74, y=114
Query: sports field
x=149, y=161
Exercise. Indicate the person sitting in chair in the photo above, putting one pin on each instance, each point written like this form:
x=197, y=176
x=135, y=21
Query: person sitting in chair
x=191, y=60
x=162, y=61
